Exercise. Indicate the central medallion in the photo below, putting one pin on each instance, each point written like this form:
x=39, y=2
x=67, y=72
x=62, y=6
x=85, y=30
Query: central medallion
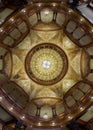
x=46, y=64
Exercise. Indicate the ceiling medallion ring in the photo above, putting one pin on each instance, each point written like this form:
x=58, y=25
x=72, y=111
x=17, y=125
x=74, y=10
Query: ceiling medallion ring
x=46, y=64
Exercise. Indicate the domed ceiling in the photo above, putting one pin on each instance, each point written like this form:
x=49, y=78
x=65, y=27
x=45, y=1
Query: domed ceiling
x=46, y=63
x=52, y=64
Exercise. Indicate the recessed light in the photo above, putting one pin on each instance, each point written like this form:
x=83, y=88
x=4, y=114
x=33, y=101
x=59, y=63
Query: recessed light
x=69, y=10
x=53, y=123
x=39, y=123
x=54, y=4
x=1, y=30
x=69, y=117
x=24, y=10
x=81, y=108
x=23, y=117
x=39, y=5
x=11, y=108
x=81, y=19
x=12, y=19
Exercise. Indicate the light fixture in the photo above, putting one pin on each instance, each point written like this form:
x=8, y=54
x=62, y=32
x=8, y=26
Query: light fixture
x=11, y=108
x=23, y=117
x=54, y=4
x=81, y=19
x=92, y=30
x=39, y=5
x=45, y=116
x=46, y=64
x=12, y=19
x=1, y=30
x=92, y=97
x=53, y=123
x=39, y=123
x=24, y=10
x=46, y=12
x=69, y=10
x=81, y=108
x=69, y=117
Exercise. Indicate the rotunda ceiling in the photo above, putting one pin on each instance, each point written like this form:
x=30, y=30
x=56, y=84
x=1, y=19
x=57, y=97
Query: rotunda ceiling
x=46, y=59
x=46, y=65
